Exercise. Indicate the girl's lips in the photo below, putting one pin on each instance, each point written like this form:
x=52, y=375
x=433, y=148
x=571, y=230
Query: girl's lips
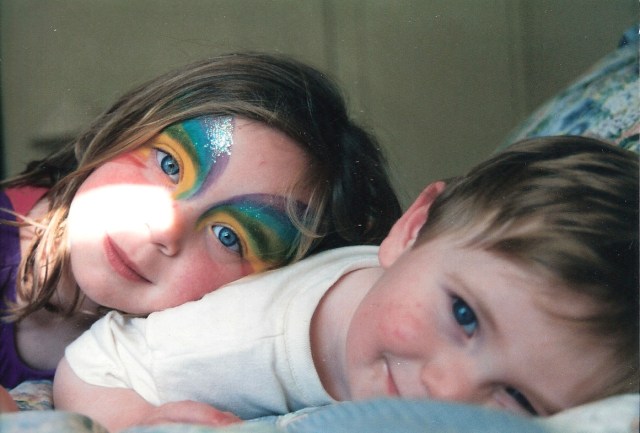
x=121, y=263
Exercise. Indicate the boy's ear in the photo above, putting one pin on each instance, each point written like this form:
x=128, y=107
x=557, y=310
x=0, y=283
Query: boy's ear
x=404, y=232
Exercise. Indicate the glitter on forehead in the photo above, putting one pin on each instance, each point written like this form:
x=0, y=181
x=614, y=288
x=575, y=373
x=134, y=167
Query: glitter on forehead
x=219, y=132
x=204, y=147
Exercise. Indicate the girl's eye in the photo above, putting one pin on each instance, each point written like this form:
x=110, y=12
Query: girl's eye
x=521, y=400
x=227, y=238
x=465, y=316
x=168, y=165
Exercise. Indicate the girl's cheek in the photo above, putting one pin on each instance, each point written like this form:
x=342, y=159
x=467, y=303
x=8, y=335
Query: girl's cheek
x=129, y=168
x=205, y=276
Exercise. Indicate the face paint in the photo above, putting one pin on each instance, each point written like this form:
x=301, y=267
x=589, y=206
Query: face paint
x=266, y=233
x=202, y=147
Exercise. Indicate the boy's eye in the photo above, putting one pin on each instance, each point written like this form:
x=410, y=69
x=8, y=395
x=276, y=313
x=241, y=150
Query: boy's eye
x=227, y=238
x=464, y=315
x=521, y=400
x=168, y=165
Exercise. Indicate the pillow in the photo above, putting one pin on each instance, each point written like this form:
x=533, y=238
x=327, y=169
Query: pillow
x=610, y=415
x=407, y=416
x=604, y=102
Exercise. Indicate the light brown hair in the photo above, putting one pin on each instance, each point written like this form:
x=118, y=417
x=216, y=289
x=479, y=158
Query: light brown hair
x=352, y=200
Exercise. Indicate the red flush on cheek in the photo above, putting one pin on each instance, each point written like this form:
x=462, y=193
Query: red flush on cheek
x=129, y=168
x=400, y=326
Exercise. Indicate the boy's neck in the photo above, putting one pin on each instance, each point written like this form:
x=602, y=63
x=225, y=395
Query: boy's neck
x=330, y=326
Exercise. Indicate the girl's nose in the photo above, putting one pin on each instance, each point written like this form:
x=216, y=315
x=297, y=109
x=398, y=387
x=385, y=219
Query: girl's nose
x=166, y=229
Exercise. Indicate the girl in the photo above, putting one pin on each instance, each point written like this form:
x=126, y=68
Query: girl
x=226, y=167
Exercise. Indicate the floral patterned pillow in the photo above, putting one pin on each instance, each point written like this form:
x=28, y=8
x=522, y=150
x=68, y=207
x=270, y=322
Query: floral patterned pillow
x=604, y=102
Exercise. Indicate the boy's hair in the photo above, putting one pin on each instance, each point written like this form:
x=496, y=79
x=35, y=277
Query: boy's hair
x=352, y=200
x=568, y=207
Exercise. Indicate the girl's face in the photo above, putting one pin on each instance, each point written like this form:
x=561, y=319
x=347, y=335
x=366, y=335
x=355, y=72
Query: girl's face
x=198, y=206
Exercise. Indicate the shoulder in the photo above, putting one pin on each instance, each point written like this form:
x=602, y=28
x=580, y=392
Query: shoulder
x=24, y=198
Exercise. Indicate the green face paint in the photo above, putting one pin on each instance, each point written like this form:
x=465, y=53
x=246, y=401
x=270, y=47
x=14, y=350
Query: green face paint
x=266, y=233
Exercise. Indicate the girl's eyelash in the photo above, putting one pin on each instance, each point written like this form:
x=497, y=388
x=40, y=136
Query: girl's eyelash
x=228, y=238
x=169, y=164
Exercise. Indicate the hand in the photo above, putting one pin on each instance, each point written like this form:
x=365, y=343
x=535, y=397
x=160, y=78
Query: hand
x=190, y=412
x=7, y=404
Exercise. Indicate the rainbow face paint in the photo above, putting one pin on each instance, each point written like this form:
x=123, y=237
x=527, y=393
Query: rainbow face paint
x=202, y=147
x=194, y=153
x=266, y=233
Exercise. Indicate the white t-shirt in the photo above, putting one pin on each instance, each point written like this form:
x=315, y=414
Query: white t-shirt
x=243, y=348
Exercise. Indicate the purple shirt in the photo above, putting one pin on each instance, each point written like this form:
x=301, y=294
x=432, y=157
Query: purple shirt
x=12, y=369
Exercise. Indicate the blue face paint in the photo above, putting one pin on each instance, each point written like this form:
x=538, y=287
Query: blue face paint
x=202, y=147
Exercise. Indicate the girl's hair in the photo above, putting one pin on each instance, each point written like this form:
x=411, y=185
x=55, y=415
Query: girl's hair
x=568, y=208
x=352, y=200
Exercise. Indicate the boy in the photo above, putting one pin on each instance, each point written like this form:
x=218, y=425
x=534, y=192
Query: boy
x=516, y=286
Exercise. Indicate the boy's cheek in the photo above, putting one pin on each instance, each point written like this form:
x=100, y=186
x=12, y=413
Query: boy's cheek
x=400, y=327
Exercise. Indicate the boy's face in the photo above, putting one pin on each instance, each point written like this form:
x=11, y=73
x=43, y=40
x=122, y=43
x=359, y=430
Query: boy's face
x=450, y=322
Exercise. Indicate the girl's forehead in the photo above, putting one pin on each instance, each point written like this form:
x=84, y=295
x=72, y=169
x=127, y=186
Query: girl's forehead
x=210, y=135
x=203, y=146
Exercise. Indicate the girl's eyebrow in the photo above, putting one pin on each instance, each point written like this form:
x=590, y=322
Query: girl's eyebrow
x=211, y=133
x=206, y=142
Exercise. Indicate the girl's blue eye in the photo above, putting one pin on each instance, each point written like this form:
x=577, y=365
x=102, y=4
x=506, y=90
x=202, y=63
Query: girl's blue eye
x=521, y=400
x=169, y=165
x=465, y=316
x=227, y=238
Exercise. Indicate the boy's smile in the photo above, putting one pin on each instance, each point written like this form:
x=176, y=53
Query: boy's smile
x=451, y=322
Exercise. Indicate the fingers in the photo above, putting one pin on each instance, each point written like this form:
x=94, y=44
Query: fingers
x=190, y=412
x=7, y=404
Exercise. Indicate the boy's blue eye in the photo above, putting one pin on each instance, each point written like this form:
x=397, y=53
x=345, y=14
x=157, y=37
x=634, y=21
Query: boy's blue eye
x=465, y=316
x=227, y=238
x=168, y=164
x=521, y=400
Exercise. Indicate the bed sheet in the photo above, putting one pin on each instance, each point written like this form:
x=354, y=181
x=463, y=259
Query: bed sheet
x=614, y=415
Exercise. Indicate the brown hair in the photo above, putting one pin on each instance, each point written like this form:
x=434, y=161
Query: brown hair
x=567, y=206
x=352, y=200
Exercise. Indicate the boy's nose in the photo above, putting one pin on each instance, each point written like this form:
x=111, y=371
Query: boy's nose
x=450, y=381
x=166, y=229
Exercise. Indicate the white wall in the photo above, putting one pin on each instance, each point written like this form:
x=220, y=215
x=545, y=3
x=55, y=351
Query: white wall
x=441, y=82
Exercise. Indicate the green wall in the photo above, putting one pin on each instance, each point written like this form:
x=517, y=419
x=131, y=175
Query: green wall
x=441, y=82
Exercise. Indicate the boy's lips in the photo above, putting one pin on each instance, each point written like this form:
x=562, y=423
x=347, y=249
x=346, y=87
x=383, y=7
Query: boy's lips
x=392, y=389
x=121, y=263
